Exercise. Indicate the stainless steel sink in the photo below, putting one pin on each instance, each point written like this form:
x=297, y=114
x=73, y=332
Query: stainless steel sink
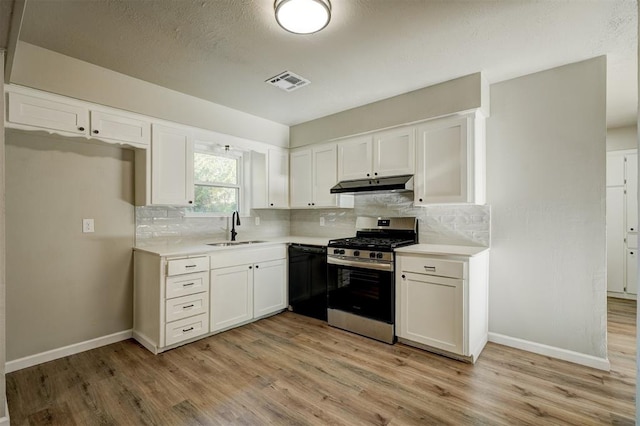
x=234, y=243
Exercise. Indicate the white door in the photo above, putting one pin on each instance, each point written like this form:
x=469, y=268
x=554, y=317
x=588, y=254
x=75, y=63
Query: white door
x=300, y=193
x=269, y=288
x=355, y=158
x=120, y=128
x=171, y=166
x=231, y=294
x=325, y=175
x=632, y=271
x=431, y=311
x=394, y=152
x=615, y=169
x=615, y=239
x=48, y=114
x=631, y=177
x=278, y=178
x=442, y=162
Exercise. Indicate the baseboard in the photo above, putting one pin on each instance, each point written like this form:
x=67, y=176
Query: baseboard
x=31, y=360
x=5, y=421
x=551, y=351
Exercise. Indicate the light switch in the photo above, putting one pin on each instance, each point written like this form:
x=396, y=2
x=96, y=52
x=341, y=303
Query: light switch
x=87, y=225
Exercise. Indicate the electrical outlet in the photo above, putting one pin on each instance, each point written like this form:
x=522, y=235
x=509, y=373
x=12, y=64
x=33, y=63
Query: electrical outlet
x=322, y=221
x=87, y=225
x=257, y=220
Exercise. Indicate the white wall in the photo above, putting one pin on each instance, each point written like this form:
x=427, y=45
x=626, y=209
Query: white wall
x=546, y=186
x=52, y=72
x=622, y=138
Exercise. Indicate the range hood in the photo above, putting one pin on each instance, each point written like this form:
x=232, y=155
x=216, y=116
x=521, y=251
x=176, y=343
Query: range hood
x=374, y=185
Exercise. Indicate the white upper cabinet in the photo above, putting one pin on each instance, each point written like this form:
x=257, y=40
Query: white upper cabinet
x=120, y=128
x=71, y=117
x=450, y=161
x=313, y=173
x=388, y=153
x=48, y=113
x=631, y=180
x=278, y=178
x=171, y=166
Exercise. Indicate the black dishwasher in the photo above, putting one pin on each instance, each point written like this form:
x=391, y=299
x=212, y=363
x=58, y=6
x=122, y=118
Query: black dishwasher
x=308, y=280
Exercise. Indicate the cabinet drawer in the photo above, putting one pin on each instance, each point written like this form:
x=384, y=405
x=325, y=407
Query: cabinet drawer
x=243, y=256
x=186, y=306
x=431, y=266
x=183, y=285
x=185, y=329
x=186, y=266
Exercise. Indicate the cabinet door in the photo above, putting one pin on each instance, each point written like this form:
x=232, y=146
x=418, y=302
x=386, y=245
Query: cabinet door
x=355, y=158
x=258, y=176
x=278, y=178
x=615, y=239
x=442, y=161
x=615, y=169
x=269, y=288
x=631, y=177
x=231, y=291
x=632, y=271
x=431, y=311
x=325, y=175
x=171, y=166
x=301, y=175
x=48, y=114
x=120, y=128
x=394, y=152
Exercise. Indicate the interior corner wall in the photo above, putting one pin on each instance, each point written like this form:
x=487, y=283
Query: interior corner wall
x=619, y=138
x=460, y=94
x=546, y=186
x=78, y=79
x=66, y=286
x=3, y=269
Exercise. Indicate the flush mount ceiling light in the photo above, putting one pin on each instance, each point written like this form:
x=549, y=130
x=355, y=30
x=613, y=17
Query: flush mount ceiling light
x=303, y=16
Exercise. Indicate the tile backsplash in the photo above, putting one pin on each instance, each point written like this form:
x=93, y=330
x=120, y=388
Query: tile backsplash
x=439, y=224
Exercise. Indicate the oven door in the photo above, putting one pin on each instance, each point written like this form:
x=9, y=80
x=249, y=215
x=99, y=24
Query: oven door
x=361, y=291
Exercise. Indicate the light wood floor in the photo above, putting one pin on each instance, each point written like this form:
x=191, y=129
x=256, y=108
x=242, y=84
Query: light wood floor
x=290, y=369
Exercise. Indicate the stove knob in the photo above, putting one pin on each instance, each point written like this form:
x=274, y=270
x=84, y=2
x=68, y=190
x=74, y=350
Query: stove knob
x=372, y=255
x=379, y=255
x=341, y=251
x=356, y=253
x=336, y=251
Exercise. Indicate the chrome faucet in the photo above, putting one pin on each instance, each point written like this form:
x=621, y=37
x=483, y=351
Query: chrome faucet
x=235, y=220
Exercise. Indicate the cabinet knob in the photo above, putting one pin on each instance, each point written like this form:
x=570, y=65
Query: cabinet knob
x=271, y=204
x=632, y=229
x=81, y=129
x=257, y=266
x=404, y=276
x=375, y=174
x=308, y=204
x=96, y=131
x=368, y=174
x=420, y=199
x=250, y=267
x=631, y=252
x=313, y=204
x=190, y=202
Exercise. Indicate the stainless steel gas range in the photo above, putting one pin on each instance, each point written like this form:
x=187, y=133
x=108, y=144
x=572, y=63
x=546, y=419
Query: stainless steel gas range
x=361, y=284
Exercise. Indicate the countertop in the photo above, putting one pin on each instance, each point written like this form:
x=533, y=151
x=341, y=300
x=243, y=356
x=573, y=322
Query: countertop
x=189, y=248
x=442, y=250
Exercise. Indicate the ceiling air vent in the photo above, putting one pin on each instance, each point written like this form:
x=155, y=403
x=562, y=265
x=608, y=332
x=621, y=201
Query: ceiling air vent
x=288, y=81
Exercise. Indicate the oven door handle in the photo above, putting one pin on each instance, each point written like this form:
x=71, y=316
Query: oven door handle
x=365, y=265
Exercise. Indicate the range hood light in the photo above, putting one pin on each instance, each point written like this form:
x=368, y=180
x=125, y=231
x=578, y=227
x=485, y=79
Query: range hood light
x=388, y=184
x=303, y=16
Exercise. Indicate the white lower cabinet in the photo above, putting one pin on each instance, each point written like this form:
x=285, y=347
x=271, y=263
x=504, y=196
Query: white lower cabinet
x=171, y=300
x=442, y=303
x=247, y=284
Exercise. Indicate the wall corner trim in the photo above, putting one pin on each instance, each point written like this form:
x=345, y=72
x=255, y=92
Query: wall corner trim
x=551, y=351
x=5, y=421
x=31, y=360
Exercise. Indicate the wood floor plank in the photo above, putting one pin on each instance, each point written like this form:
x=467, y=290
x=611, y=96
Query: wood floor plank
x=290, y=369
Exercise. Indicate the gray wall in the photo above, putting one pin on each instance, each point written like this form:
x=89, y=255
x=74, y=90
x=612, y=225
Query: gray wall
x=622, y=138
x=452, y=96
x=546, y=186
x=102, y=86
x=3, y=392
x=64, y=286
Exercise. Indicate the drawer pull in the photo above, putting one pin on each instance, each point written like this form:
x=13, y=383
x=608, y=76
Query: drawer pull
x=184, y=330
x=187, y=284
x=430, y=268
x=187, y=306
x=190, y=266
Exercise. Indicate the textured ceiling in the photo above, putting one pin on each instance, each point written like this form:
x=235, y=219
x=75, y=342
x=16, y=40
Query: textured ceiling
x=223, y=50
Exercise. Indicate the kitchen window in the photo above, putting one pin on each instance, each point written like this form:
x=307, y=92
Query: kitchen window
x=217, y=177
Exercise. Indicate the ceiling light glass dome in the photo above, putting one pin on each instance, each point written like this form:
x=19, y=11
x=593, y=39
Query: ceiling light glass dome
x=303, y=16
